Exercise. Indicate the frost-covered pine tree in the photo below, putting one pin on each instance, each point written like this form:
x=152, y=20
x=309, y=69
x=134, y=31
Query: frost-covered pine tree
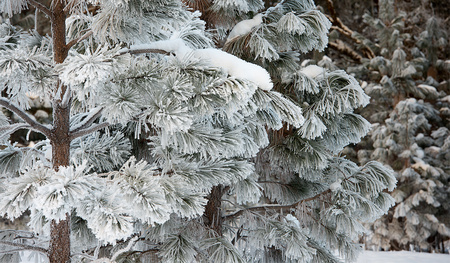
x=182, y=136
x=410, y=112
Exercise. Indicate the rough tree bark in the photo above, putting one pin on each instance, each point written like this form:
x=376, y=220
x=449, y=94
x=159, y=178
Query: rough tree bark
x=59, y=249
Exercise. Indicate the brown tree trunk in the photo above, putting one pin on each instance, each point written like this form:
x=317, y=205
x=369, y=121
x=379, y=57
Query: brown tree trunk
x=213, y=211
x=59, y=249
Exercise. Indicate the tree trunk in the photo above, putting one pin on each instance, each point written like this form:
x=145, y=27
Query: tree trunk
x=213, y=211
x=59, y=249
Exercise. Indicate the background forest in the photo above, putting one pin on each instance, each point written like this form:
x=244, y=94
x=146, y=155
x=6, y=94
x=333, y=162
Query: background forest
x=399, y=53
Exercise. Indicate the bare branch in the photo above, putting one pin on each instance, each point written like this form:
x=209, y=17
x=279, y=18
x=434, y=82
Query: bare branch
x=93, y=115
x=142, y=51
x=24, y=116
x=274, y=207
x=41, y=7
x=78, y=40
x=24, y=247
x=340, y=46
x=93, y=128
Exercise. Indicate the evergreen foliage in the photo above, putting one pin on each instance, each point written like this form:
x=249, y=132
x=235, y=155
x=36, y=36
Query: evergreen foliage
x=183, y=145
x=408, y=84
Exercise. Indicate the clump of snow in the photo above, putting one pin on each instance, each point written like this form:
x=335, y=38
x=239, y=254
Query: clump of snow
x=292, y=219
x=336, y=185
x=244, y=27
x=312, y=71
x=236, y=67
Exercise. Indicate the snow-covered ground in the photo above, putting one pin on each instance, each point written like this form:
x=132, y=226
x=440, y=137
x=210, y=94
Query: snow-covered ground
x=402, y=257
x=366, y=257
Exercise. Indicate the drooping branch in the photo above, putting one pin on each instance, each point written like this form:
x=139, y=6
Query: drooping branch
x=41, y=7
x=93, y=128
x=34, y=125
x=274, y=207
x=78, y=40
x=24, y=246
x=10, y=129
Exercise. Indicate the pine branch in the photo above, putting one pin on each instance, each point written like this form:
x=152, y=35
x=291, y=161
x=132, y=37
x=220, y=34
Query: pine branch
x=93, y=128
x=34, y=125
x=41, y=7
x=274, y=207
x=24, y=247
x=78, y=40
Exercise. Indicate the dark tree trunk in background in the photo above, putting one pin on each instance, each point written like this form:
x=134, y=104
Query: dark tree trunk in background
x=213, y=210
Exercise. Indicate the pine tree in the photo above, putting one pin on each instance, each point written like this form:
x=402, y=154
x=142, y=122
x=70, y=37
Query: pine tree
x=183, y=136
x=409, y=109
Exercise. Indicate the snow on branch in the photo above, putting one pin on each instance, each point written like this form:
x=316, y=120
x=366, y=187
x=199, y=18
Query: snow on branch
x=34, y=125
x=231, y=64
x=245, y=27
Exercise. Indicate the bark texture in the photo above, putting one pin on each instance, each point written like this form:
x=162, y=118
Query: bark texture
x=59, y=249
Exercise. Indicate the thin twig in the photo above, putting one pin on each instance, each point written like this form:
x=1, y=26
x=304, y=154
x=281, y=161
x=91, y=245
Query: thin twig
x=24, y=116
x=93, y=128
x=78, y=40
x=41, y=7
x=24, y=247
x=276, y=207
